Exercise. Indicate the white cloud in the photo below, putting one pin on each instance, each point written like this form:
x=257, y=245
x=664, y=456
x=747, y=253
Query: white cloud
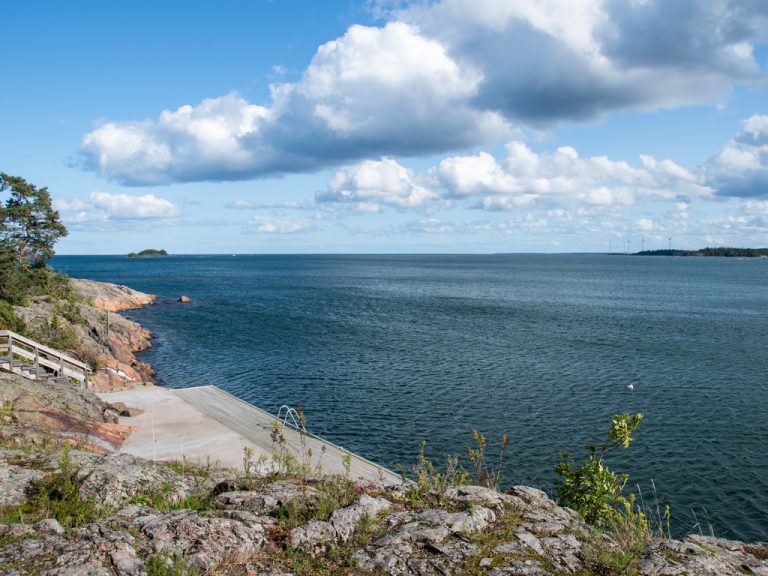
x=372, y=91
x=103, y=207
x=524, y=178
x=644, y=224
x=373, y=183
x=741, y=167
x=218, y=139
x=570, y=59
x=251, y=205
x=270, y=225
x=446, y=76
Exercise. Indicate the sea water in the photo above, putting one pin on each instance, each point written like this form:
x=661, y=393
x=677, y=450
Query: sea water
x=385, y=351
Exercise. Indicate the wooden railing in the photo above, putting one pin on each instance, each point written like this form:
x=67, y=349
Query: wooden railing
x=15, y=348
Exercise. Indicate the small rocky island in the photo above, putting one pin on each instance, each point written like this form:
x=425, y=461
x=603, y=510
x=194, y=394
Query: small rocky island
x=148, y=253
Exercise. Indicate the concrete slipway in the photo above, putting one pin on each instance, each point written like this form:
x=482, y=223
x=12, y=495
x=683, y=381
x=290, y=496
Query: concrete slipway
x=207, y=424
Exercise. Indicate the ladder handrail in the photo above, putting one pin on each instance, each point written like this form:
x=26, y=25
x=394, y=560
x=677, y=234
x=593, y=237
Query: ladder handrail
x=294, y=416
x=42, y=348
x=42, y=355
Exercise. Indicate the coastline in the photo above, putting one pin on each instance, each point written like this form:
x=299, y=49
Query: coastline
x=106, y=340
x=145, y=516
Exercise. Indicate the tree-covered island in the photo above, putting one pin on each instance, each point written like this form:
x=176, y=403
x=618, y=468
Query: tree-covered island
x=149, y=253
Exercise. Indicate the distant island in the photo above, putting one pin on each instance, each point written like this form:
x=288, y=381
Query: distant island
x=149, y=253
x=726, y=252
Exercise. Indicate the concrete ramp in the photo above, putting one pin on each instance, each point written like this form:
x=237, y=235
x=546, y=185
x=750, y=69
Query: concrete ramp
x=207, y=424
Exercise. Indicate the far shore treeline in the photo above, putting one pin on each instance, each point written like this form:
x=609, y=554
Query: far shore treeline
x=724, y=251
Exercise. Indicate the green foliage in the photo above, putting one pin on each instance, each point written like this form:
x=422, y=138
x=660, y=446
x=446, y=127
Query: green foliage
x=57, y=496
x=167, y=565
x=592, y=489
x=30, y=225
x=333, y=492
x=9, y=320
x=19, y=283
x=29, y=229
x=484, y=476
x=148, y=253
x=720, y=251
x=56, y=333
x=164, y=498
x=430, y=484
x=6, y=409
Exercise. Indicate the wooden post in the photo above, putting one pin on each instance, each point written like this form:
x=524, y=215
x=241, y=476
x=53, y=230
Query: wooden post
x=37, y=364
x=10, y=351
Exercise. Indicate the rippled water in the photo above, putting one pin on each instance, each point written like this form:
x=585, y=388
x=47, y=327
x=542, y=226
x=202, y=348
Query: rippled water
x=384, y=351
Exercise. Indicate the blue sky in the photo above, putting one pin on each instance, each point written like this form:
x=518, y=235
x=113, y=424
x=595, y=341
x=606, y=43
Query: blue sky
x=390, y=126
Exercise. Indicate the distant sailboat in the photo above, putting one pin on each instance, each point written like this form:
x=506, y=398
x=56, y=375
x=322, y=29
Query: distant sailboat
x=631, y=387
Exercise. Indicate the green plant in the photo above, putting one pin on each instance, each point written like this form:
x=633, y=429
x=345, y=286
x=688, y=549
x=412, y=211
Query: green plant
x=284, y=461
x=430, y=484
x=9, y=320
x=167, y=565
x=6, y=409
x=248, y=463
x=164, y=499
x=58, y=496
x=56, y=333
x=484, y=476
x=332, y=493
x=592, y=489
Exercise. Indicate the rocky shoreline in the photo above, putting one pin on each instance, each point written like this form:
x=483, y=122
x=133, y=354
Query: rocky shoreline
x=107, y=341
x=72, y=505
x=142, y=518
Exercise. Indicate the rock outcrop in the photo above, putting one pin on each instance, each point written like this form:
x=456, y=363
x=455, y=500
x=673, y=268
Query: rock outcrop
x=154, y=518
x=112, y=297
x=37, y=411
x=105, y=340
x=72, y=512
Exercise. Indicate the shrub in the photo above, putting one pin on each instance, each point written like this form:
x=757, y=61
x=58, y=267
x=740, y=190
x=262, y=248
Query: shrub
x=592, y=489
x=9, y=320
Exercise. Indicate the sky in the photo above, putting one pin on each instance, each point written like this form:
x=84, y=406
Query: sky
x=389, y=126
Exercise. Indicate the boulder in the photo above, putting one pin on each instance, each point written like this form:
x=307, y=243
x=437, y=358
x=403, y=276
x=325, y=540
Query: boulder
x=203, y=541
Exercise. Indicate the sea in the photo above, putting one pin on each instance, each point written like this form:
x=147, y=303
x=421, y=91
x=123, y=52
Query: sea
x=383, y=352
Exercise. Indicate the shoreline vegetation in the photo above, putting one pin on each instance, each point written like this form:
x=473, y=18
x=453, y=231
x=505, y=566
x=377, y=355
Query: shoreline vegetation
x=71, y=503
x=721, y=252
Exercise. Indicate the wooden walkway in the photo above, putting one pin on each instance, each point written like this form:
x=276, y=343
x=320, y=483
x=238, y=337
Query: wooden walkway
x=256, y=425
x=37, y=362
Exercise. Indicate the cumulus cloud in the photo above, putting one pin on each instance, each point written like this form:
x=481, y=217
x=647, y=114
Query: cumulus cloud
x=370, y=184
x=549, y=60
x=372, y=91
x=270, y=225
x=103, y=207
x=524, y=178
x=219, y=137
x=446, y=76
x=741, y=167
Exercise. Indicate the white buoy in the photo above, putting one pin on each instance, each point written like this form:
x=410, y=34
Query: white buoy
x=631, y=387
